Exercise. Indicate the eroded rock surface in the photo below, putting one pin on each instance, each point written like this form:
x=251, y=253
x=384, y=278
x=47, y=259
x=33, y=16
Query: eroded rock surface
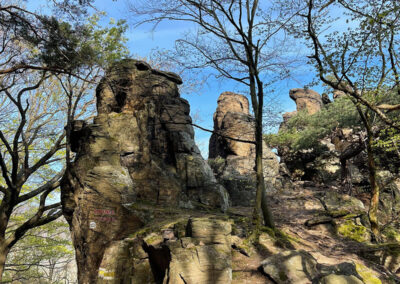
x=139, y=149
x=299, y=267
x=193, y=250
x=306, y=99
x=233, y=161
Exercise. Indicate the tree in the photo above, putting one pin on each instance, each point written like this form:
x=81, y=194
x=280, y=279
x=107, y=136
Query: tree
x=238, y=40
x=305, y=132
x=36, y=105
x=360, y=60
x=50, y=258
x=24, y=153
x=37, y=42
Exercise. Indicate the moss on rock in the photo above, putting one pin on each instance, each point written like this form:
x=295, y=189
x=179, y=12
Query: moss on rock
x=353, y=231
x=367, y=274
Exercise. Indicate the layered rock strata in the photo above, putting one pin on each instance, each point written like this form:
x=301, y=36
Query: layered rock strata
x=139, y=149
x=233, y=161
x=194, y=250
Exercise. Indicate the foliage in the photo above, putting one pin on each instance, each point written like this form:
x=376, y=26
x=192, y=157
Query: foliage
x=72, y=47
x=50, y=258
x=108, y=43
x=353, y=45
x=57, y=44
x=304, y=131
x=38, y=100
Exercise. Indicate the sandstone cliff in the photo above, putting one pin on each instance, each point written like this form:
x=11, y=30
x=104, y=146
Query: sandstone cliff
x=306, y=99
x=139, y=149
x=233, y=161
x=144, y=207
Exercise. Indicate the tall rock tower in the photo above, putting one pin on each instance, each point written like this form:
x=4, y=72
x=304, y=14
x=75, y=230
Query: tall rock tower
x=233, y=161
x=139, y=151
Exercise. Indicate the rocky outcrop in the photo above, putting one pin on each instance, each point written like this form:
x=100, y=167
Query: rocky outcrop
x=299, y=163
x=306, y=99
x=301, y=268
x=139, y=149
x=232, y=119
x=193, y=250
x=181, y=248
x=338, y=156
x=233, y=161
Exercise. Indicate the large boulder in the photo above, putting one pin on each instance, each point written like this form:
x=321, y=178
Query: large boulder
x=140, y=149
x=196, y=251
x=291, y=267
x=233, y=161
x=295, y=267
x=306, y=99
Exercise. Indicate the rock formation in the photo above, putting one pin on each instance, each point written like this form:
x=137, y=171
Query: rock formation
x=144, y=207
x=327, y=163
x=232, y=119
x=185, y=250
x=234, y=161
x=139, y=150
x=306, y=99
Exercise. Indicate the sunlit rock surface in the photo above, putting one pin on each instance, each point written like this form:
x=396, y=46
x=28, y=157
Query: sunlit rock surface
x=233, y=161
x=139, y=149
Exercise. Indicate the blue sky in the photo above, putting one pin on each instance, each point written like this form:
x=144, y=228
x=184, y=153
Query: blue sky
x=141, y=41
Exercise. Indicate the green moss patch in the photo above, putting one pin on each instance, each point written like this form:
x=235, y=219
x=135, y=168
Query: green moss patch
x=391, y=234
x=282, y=239
x=355, y=232
x=367, y=274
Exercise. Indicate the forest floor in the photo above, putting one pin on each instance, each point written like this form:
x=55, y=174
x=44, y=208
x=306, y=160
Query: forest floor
x=291, y=210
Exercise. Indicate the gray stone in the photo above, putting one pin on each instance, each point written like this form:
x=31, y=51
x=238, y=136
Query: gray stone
x=340, y=279
x=291, y=267
x=333, y=201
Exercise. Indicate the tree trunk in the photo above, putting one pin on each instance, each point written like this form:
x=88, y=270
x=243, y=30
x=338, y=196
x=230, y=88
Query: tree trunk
x=3, y=257
x=263, y=203
x=373, y=209
x=346, y=177
x=261, y=195
x=374, y=203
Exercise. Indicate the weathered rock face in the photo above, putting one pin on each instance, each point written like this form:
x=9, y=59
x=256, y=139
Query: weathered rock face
x=232, y=119
x=140, y=149
x=300, y=267
x=306, y=99
x=233, y=161
x=197, y=250
x=212, y=249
